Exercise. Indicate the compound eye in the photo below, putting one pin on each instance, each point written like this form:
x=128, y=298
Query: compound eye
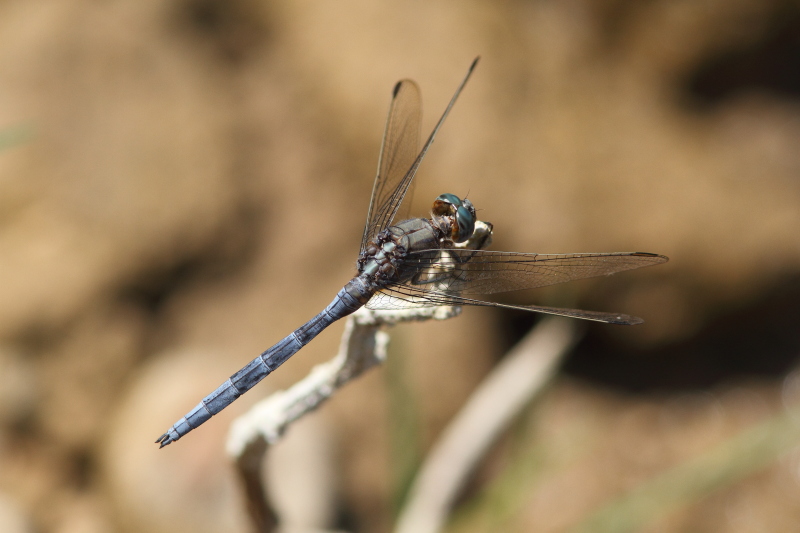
x=465, y=219
x=445, y=204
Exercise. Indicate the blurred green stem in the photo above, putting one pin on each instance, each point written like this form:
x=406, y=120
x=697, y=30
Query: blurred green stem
x=404, y=422
x=728, y=463
x=15, y=135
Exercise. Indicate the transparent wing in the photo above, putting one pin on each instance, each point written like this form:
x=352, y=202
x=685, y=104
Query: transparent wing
x=445, y=278
x=390, y=188
x=399, y=149
x=406, y=296
x=489, y=272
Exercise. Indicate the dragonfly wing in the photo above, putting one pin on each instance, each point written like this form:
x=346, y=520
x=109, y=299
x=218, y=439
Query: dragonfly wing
x=458, y=272
x=413, y=296
x=388, y=192
x=399, y=149
x=396, y=299
x=444, y=277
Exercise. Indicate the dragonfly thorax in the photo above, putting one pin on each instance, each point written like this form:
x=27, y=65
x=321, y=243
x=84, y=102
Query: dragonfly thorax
x=454, y=216
x=383, y=258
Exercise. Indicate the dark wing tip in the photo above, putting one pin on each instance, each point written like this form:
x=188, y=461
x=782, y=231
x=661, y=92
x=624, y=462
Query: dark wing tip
x=661, y=258
x=627, y=320
x=474, y=63
x=396, y=88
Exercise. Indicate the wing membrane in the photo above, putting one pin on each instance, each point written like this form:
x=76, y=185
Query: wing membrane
x=406, y=296
x=488, y=272
x=386, y=197
x=446, y=278
x=398, y=151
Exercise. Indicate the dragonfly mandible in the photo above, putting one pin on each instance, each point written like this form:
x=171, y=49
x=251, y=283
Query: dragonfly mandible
x=416, y=262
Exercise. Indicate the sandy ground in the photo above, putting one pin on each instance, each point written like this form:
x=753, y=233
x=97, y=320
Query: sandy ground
x=184, y=183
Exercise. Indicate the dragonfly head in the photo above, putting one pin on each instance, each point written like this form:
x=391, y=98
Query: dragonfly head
x=459, y=215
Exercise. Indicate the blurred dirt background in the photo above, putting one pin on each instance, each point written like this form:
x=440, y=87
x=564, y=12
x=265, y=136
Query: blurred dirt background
x=183, y=183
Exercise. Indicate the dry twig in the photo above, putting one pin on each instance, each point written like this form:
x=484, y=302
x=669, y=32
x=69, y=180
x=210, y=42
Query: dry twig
x=490, y=409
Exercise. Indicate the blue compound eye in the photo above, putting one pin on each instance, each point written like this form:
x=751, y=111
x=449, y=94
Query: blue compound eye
x=465, y=218
x=461, y=215
x=445, y=204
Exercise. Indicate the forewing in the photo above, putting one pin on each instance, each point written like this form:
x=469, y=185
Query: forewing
x=399, y=149
x=459, y=272
x=384, y=205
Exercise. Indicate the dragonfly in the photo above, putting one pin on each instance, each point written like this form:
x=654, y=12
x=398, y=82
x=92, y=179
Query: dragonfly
x=421, y=261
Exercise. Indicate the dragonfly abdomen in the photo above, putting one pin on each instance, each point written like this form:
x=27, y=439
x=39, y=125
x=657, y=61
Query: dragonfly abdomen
x=349, y=299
